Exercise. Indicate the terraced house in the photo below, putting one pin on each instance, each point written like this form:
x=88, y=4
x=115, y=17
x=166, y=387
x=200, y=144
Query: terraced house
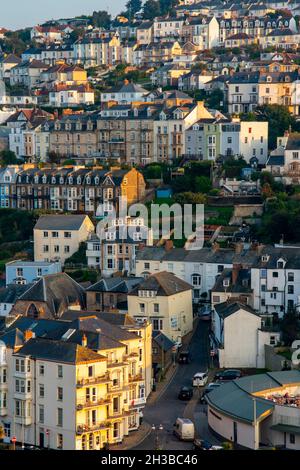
x=73, y=136
x=75, y=189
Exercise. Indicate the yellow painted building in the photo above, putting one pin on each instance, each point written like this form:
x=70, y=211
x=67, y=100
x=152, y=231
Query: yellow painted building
x=81, y=392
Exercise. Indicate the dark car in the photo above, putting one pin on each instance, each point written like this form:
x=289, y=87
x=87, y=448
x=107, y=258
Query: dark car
x=229, y=374
x=209, y=388
x=200, y=444
x=184, y=357
x=185, y=393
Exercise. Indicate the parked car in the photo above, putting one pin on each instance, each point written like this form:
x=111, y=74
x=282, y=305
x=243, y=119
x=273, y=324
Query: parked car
x=185, y=393
x=184, y=429
x=205, y=313
x=184, y=357
x=209, y=388
x=229, y=374
x=202, y=444
x=200, y=379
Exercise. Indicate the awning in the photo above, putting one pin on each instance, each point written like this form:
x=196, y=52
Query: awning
x=286, y=428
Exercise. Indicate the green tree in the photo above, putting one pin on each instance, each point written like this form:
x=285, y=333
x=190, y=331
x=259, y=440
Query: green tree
x=290, y=327
x=279, y=119
x=215, y=99
x=190, y=198
x=7, y=157
x=132, y=7
x=202, y=184
x=151, y=9
x=101, y=19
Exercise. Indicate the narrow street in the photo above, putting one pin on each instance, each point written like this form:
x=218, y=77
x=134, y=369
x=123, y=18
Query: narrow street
x=167, y=408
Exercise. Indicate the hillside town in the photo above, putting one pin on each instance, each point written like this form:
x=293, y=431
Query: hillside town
x=117, y=330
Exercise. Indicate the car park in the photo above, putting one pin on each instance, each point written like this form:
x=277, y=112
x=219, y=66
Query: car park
x=185, y=393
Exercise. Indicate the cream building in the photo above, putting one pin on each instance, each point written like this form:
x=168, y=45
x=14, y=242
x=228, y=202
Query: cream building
x=165, y=301
x=57, y=237
x=78, y=392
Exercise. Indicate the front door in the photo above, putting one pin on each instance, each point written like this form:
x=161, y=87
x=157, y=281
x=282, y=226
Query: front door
x=42, y=439
x=235, y=432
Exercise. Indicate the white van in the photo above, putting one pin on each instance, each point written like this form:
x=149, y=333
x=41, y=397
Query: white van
x=200, y=379
x=184, y=429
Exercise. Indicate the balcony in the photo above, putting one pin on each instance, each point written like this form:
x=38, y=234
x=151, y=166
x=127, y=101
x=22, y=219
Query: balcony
x=118, y=414
x=82, y=428
x=117, y=388
x=103, y=379
x=135, y=378
x=22, y=374
x=3, y=386
x=24, y=421
x=92, y=404
x=137, y=402
x=116, y=140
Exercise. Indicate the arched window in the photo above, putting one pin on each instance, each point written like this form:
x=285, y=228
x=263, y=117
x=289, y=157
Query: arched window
x=32, y=312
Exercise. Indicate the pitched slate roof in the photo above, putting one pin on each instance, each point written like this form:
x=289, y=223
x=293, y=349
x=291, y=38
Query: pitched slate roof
x=164, y=283
x=115, y=284
x=59, y=351
x=225, y=309
x=12, y=338
x=293, y=142
x=60, y=222
x=58, y=291
x=162, y=340
x=11, y=293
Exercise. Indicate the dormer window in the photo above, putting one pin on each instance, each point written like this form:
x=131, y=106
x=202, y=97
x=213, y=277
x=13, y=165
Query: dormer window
x=265, y=258
x=53, y=180
x=280, y=264
x=90, y=125
x=61, y=180
x=70, y=180
x=226, y=282
x=57, y=126
x=36, y=179
x=88, y=180
x=44, y=179
x=269, y=79
x=96, y=180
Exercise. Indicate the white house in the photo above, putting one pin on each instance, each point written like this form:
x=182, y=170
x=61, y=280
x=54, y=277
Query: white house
x=239, y=336
x=125, y=94
x=114, y=248
x=275, y=280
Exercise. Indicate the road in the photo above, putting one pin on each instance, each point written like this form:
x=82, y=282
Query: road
x=167, y=408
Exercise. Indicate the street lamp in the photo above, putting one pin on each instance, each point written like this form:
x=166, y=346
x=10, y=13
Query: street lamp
x=157, y=429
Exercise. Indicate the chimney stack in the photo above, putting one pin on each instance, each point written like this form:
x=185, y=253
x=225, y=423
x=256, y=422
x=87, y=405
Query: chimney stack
x=215, y=247
x=84, y=341
x=235, y=272
x=239, y=248
x=169, y=245
x=28, y=334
